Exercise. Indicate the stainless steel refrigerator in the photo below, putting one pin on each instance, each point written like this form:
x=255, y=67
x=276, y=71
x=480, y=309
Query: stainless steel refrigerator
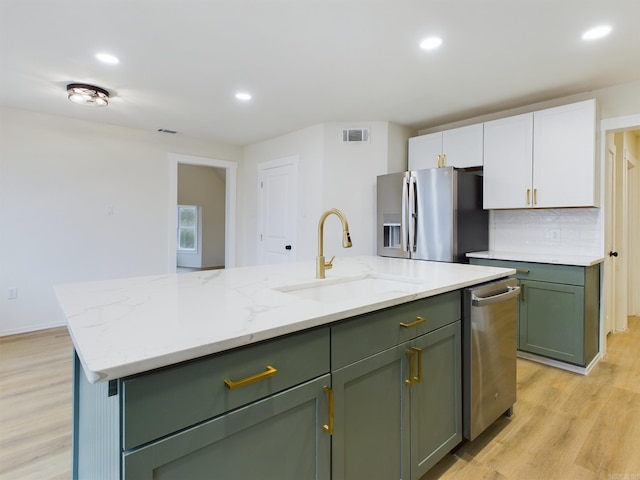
x=433, y=214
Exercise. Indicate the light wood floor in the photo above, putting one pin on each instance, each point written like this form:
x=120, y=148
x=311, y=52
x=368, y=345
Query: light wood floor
x=565, y=426
x=35, y=405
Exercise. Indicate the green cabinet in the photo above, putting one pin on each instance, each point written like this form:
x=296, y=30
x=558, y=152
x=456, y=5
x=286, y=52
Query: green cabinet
x=369, y=398
x=398, y=411
x=278, y=437
x=558, y=309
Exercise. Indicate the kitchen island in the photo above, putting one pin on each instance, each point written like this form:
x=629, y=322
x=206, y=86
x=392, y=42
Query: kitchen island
x=146, y=403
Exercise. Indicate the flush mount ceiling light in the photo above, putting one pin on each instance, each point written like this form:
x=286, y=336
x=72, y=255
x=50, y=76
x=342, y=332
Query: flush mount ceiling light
x=430, y=43
x=597, y=32
x=88, y=95
x=243, y=96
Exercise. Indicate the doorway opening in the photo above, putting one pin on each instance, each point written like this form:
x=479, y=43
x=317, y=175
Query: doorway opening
x=620, y=152
x=205, y=183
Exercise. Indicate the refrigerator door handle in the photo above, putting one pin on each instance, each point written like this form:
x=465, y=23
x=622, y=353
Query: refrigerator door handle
x=412, y=214
x=405, y=219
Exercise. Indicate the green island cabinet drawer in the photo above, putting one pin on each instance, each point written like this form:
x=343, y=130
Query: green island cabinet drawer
x=164, y=401
x=367, y=334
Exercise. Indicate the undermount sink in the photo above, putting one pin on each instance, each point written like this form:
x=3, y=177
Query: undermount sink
x=346, y=288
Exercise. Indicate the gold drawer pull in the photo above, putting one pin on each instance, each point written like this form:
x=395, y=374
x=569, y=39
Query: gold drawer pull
x=329, y=427
x=412, y=375
x=418, y=321
x=270, y=372
x=418, y=379
x=528, y=196
x=522, y=270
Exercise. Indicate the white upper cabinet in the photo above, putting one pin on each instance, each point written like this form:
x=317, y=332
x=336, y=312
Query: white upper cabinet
x=508, y=153
x=425, y=151
x=544, y=159
x=564, y=156
x=459, y=147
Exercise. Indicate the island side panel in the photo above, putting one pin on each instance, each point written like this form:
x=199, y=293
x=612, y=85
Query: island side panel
x=96, y=428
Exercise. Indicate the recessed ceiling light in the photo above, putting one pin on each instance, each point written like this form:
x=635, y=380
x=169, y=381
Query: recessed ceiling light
x=597, y=32
x=430, y=43
x=243, y=96
x=107, y=58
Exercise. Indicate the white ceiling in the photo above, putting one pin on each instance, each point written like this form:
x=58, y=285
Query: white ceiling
x=307, y=61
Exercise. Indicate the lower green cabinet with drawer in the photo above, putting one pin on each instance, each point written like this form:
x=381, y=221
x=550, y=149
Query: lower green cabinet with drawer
x=559, y=309
x=398, y=411
x=279, y=437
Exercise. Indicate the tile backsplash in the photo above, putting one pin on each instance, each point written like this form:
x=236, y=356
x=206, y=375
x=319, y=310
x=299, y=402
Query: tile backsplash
x=571, y=231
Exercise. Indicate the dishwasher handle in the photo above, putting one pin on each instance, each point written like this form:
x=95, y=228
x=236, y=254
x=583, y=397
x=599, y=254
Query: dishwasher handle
x=501, y=297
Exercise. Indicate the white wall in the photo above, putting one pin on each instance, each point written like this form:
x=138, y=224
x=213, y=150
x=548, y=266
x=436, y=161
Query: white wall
x=308, y=144
x=350, y=171
x=57, y=177
x=331, y=174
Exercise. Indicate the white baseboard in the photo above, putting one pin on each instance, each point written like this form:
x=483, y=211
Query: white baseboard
x=31, y=328
x=558, y=364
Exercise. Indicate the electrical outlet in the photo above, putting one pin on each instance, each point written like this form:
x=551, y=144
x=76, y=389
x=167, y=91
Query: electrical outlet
x=12, y=294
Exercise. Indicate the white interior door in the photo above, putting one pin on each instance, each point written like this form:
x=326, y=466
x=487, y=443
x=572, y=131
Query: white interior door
x=277, y=222
x=621, y=236
x=610, y=240
x=610, y=316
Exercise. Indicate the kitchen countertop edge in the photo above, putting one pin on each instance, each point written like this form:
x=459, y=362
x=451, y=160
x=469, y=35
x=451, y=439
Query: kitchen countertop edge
x=556, y=259
x=128, y=326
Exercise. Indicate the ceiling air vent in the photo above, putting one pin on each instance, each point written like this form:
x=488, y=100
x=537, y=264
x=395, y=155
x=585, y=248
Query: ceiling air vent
x=355, y=135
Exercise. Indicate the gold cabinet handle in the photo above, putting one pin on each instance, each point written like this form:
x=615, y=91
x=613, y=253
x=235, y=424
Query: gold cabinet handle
x=444, y=159
x=522, y=292
x=418, y=379
x=329, y=427
x=528, y=196
x=418, y=321
x=269, y=372
x=412, y=376
x=439, y=160
x=522, y=270
x=535, y=196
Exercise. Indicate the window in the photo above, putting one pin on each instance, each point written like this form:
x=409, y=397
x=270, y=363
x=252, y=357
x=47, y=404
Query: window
x=188, y=228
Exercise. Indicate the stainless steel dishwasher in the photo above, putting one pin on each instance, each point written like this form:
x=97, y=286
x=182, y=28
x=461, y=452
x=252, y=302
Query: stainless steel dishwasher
x=489, y=343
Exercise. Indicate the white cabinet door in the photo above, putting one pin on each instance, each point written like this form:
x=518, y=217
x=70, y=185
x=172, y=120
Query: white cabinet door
x=508, y=153
x=544, y=159
x=564, y=169
x=458, y=147
x=425, y=151
x=462, y=147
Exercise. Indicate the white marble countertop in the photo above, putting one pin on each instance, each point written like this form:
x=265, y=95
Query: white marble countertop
x=558, y=259
x=131, y=325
